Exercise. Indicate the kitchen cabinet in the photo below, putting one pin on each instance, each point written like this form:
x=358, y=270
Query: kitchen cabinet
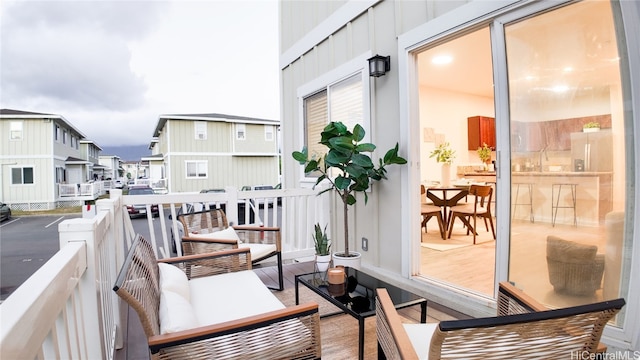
x=552, y=135
x=481, y=130
x=528, y=136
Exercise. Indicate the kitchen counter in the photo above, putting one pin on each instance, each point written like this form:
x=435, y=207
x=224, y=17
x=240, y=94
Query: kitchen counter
x=594, y=194
x=560, y=173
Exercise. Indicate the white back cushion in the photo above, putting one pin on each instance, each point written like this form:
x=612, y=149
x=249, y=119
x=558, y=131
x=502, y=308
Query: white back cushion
x=226, y=234
x=174, y=279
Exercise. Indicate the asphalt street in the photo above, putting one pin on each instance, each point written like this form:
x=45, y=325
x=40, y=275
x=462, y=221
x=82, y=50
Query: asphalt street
x=27, y=242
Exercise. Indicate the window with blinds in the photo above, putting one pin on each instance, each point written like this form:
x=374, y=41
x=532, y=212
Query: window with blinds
x=341, y=101
x=200, y=128
x=196, y=169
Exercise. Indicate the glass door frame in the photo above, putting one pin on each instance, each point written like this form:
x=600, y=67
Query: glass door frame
x=449, y=26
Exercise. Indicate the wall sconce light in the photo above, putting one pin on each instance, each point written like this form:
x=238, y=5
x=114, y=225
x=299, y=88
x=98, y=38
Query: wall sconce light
x=379, y=65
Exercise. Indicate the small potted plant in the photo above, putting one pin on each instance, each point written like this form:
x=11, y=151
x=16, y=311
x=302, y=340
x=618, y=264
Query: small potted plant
x=445, y=155
x=484, y=153
x=323, y=247
x=591, y=126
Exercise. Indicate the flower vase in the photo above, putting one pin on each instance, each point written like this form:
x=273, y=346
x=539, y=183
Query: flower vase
x=445, y=181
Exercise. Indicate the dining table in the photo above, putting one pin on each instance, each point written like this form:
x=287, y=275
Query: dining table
x=446, y=197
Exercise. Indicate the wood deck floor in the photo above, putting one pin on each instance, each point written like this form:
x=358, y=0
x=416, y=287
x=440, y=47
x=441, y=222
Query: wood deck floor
x=135, y=344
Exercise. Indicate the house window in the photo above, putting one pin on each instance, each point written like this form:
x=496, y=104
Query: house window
x=60, y=175
x=57, y=133
x=241, y=132
x=200, y=130
x=22, y=175
x=15, y=130
x=341, y=101
x=196, y=169
x=73, y=141
x=268, y=132
x=64, y=137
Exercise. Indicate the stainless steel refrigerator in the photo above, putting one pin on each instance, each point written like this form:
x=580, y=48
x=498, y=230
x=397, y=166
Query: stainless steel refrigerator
x=592, y=151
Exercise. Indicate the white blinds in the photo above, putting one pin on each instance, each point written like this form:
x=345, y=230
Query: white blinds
x=345, y=104
x=315, y=115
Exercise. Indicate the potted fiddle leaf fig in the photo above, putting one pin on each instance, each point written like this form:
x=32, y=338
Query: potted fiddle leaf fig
x=347, y=168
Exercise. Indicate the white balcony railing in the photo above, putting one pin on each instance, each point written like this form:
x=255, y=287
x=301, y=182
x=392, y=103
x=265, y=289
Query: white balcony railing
x=90, y=189
x=67, y=309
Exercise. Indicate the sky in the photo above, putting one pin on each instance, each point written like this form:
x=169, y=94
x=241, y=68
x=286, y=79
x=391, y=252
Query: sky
x=111, y=68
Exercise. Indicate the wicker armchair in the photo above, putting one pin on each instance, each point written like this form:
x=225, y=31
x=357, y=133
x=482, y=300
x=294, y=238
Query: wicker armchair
x=574, y=269
x=286, y=333
x=203, y=234
x=514, y=334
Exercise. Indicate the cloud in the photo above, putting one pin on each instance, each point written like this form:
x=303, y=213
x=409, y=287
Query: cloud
x=112, y=67
x=75, y=53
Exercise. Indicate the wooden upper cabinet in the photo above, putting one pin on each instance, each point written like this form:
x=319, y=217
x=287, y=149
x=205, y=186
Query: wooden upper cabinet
x=481, y=129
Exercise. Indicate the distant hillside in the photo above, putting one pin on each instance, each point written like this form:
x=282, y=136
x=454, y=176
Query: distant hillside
x=127, y=153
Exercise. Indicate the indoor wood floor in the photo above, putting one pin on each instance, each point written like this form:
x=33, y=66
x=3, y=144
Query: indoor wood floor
x=473, y=267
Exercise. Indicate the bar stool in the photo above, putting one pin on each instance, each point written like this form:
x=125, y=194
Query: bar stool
x=556, y=206
x=529, y=188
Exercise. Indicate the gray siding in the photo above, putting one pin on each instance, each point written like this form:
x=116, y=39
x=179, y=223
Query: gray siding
x=223, y=171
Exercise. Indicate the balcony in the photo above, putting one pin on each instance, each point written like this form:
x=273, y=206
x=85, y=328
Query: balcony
x=67, y=309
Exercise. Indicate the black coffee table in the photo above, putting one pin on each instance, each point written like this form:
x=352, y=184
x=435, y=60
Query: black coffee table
x=357, y=297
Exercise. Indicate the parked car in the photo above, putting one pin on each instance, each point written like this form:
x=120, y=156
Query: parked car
x=5, y=212
x=262, y=202
x=140, y=209
x=118, y=184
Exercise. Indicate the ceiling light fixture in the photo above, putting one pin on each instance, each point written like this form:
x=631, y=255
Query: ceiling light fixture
x=442, y=59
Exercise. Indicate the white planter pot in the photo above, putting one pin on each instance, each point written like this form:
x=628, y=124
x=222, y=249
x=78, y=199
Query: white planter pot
x=322, y=262
x=353, y=261
x=590, y=129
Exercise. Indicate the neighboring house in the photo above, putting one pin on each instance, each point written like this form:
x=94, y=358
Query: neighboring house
x=45, y=162
x=91, y=152
x=204, y=151
x=113, y=167
x=567, y=61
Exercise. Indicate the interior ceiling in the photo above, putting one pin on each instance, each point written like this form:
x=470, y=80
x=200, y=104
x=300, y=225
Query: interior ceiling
x=539, y=52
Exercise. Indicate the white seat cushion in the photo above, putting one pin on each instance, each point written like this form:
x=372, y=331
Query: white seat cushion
x=258, y=250
x=420, y=336
x=231, y=296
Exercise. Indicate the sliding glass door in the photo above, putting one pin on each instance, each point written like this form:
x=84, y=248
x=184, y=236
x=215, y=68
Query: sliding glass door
x=568, y=167
x=542, y=88
x=457, y=110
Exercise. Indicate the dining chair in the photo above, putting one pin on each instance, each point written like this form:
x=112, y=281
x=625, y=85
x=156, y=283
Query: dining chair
x=428, y=211
x=479, y=208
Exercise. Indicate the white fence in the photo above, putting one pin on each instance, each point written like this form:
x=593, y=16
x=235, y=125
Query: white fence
x=67, y=309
